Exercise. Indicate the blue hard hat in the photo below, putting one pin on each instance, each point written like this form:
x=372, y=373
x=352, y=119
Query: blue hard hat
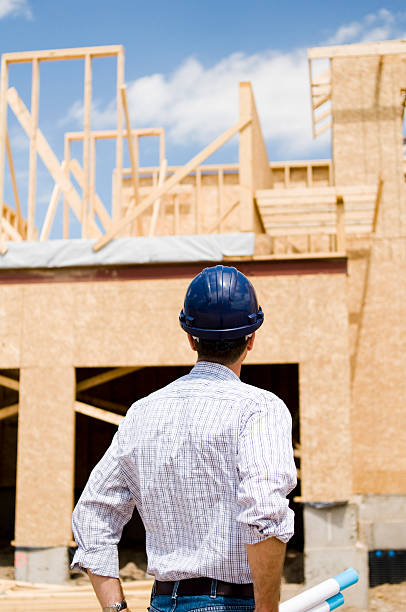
x=220, y=304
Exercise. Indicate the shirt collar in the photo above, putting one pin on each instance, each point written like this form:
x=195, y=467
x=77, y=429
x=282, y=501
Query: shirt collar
x=212, y=370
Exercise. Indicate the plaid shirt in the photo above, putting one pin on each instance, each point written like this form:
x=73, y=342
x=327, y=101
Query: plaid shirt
x=208, y=462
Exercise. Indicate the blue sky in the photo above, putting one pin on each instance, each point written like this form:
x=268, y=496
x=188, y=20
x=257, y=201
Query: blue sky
x=183, y=64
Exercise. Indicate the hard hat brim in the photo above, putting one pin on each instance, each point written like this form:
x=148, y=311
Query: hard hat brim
x=222, y=334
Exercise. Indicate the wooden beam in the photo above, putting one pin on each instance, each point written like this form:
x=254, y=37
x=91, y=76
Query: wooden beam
x=134, y=169
x=98, y=413
x=92, y=178
x=65, y=201
x=10, y=383
x=173, y=180
x=47, y=155
x=323, y=115
x=99, y=379
x=323, y=129
x=198, y=200
x=112, y=134
x=225, y=214
x=390, y=47
x=3, y=132
x=161, y=147
x=100, y=210
x=117, y=203
x=50, y=214
x=10, y=232
x=85, y=208
x=176, y=214
x=220, y=198
x=9, y=411
x=20, y=222
x=157, y=203
x=62, y=54
x=340, y=225
x=101, y=403
x=377, y=204
x=319, y=101
x=32, y=178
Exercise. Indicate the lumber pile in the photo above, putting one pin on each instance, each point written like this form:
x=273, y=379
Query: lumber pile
x=33, y=597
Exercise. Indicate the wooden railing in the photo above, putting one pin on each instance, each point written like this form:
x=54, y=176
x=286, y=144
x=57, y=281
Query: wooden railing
x=207, y=199
x=14, y=226
x=318, y=219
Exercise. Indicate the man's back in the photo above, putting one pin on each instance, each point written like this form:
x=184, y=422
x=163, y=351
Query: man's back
x=187, y=454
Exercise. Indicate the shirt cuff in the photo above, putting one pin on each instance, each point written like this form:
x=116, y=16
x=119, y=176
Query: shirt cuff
x=100, y=560
x=283, y=531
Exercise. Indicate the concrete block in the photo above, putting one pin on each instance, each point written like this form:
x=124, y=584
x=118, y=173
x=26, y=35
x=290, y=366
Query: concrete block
x=46, y=565
x=332, y=526
x=323, y=563
x=389, y=535
x=331, y=546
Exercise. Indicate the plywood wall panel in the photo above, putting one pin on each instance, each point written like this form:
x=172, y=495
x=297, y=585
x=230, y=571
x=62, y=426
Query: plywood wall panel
x=348, y=142
x=125, y=323
x=11, y=309
x=47, y=325
x=379, y=419
x=45, y=457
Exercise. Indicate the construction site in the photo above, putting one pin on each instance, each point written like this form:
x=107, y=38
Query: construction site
x=324, y=243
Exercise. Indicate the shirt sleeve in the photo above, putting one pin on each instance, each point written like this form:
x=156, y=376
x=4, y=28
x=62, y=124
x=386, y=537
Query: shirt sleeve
x=103, y=509
x=267, y=473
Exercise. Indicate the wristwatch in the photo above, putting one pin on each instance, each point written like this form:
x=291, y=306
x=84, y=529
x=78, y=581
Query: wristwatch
x=116, y=607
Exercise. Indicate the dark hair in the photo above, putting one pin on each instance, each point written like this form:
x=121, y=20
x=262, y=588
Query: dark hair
x=220, y=351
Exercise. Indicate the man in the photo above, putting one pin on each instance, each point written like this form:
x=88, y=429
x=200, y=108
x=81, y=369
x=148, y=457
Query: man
x=208, y=463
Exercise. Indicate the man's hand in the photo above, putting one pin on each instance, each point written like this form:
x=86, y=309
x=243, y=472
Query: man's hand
x=108, y=590
x=266, y=562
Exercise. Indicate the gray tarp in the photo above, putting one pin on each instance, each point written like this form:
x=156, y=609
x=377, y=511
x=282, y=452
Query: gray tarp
x=159, y=249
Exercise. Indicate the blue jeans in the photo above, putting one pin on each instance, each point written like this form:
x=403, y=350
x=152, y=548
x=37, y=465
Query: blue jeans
x=202, y=603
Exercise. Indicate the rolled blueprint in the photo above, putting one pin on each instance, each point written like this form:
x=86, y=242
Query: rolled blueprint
x=330, y=604
x=309, y=599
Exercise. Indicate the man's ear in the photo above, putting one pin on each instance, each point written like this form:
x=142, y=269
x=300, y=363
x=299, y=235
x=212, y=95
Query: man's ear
x=250, y=343
x=191, y=342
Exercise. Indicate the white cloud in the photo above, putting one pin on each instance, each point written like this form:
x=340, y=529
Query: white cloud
x=15, y=8
x=196, y=103
x=373, y=27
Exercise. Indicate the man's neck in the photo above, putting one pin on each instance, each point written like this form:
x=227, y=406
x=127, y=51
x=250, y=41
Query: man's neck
x=234, y=367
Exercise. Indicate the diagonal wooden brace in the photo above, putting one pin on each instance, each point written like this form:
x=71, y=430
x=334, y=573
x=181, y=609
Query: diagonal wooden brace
x=48, y=156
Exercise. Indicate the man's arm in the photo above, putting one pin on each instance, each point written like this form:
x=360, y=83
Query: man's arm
x=267, y=473
x=108, y=590
x=103, y=509
x=266, y=563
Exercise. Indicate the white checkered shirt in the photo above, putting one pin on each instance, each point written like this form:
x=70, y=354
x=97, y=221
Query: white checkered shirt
x=208, y=463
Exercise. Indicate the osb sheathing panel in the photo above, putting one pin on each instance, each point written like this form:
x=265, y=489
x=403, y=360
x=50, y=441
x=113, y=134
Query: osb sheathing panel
x=367, y=131
x=357, y=270
x=129, y=323
x=45, y=456
x=11, y=309
x=47, y=325
x=379, y=417
x=367, y=144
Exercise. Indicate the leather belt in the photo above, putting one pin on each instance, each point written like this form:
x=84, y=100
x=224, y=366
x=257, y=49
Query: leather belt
x=203, y=586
